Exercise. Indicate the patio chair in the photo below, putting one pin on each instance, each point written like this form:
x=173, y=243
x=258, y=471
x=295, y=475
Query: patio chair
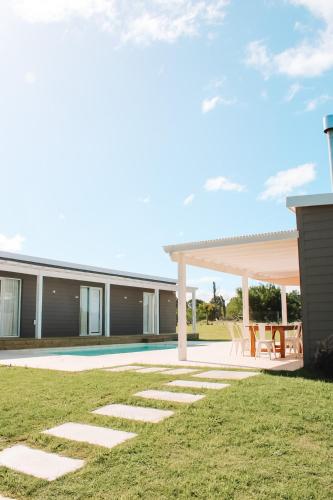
x=294, y=340
x=244, y=335
x=235, y=337
x=269, y=344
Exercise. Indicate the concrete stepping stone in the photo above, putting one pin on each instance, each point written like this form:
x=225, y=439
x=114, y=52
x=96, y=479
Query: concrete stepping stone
x=226, y=374
x=179, y=371
x=5, y=498
x=197, y=385
x=140, y=413
x=151, y=369
x=101, y=436
x=177, y=397
x=38, y=463
x=126, y=368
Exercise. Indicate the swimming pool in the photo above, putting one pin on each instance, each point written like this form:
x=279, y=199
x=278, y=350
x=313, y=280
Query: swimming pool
x=117, y=349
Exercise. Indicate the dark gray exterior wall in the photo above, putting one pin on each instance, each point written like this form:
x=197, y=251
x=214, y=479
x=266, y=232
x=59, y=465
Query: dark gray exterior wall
x=61, y=310
x=126, y=313
x=28, y=302
x=167, y=312
x=315, y=225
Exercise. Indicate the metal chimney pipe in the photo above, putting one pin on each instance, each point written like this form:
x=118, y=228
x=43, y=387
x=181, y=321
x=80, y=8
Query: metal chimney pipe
x=328, y=129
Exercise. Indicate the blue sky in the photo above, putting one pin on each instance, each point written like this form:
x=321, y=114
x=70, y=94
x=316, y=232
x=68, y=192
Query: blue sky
x=126, y=125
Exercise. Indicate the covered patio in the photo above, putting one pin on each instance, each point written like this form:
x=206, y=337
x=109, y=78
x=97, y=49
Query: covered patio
x=266, y=257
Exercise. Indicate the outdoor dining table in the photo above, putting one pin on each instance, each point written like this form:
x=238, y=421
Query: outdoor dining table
x=273, y=328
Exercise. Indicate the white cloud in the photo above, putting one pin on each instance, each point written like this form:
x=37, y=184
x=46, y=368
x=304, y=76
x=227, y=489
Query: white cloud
x=30, y=77
x=145, y=200
x=61, y=216
x=11, y=244
x=120, y=255
x=138, y=22
x=293, y=90
x=286, y=181
x=222, y=183
x=189, y=199
x=314, y=103
x=311, y=57
x=256, y=55
x=210, y=104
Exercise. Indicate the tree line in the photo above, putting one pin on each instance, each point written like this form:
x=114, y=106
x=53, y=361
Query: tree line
x=265, y=305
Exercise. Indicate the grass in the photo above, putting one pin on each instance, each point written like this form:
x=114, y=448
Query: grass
x=216, y=330
x=267, y=437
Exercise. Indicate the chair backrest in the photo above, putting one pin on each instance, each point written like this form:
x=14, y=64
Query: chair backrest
x=230, y=330
x=262, y=331
x=233, y=331
x=243, y=331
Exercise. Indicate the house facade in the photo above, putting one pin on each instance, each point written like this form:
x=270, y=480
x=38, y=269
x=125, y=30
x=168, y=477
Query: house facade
x=314, y=216
x=47, y=299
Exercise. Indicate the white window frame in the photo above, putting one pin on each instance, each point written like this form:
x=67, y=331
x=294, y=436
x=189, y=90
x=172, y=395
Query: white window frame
x=153, y=313
x=19, y=307
x=94, y=334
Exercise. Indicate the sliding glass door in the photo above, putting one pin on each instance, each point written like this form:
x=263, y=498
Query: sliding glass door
x=91, y=310
x=148, y=312
x=10, y=291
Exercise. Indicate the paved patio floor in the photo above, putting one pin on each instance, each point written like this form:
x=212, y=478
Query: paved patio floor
x=213, y=354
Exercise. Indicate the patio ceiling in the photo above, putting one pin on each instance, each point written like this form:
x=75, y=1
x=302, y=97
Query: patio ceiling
x=269, y=257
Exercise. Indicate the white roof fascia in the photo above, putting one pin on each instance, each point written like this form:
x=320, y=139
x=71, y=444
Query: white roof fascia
x=236, y=240
x=38, y=261
x=309, y=200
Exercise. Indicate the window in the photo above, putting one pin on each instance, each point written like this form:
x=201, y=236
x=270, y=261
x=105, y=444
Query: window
x=148, y=312
x=91, y=310
x=10, y=291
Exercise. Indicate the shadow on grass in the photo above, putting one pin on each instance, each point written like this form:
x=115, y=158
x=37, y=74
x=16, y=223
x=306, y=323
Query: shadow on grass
x=305, y=373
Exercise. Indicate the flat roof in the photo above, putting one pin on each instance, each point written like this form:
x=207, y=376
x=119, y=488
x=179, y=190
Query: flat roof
x=39, y=261
x=309, y=200
x=271, y=257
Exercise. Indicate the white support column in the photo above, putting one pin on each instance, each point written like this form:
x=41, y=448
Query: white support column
x=284, y=309
x=246, y=303
x=182, y=334
x=107, y=310
x=39, y=307
x=157, y=311
x=194, y=312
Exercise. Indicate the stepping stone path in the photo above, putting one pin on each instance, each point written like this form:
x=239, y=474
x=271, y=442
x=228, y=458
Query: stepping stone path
x=151, y=369
x=225, y=374
x=91, y=434
x=197, y=385
x=50, y=466
x=38, y=463
x=140, y=413
x=122, y=368
x=179, y=371
x=177, y=397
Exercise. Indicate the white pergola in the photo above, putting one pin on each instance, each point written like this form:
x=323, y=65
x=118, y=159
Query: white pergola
x=268, y=257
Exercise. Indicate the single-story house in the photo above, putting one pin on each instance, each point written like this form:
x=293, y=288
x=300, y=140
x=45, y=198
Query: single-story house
x=48, y=299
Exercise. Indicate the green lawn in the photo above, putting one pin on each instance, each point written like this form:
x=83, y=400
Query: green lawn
x=216, y=330
x=268, y=437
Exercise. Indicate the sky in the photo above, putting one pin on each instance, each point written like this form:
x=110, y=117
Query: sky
x=126, y=126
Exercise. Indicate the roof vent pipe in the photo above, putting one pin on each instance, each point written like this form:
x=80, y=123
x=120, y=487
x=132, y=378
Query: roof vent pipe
x=328, y=129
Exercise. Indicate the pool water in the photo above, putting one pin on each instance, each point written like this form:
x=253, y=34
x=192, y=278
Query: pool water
x=118, y=349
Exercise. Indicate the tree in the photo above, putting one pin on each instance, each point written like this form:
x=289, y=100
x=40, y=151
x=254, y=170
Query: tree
x=219, y=303
x=265, y=304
